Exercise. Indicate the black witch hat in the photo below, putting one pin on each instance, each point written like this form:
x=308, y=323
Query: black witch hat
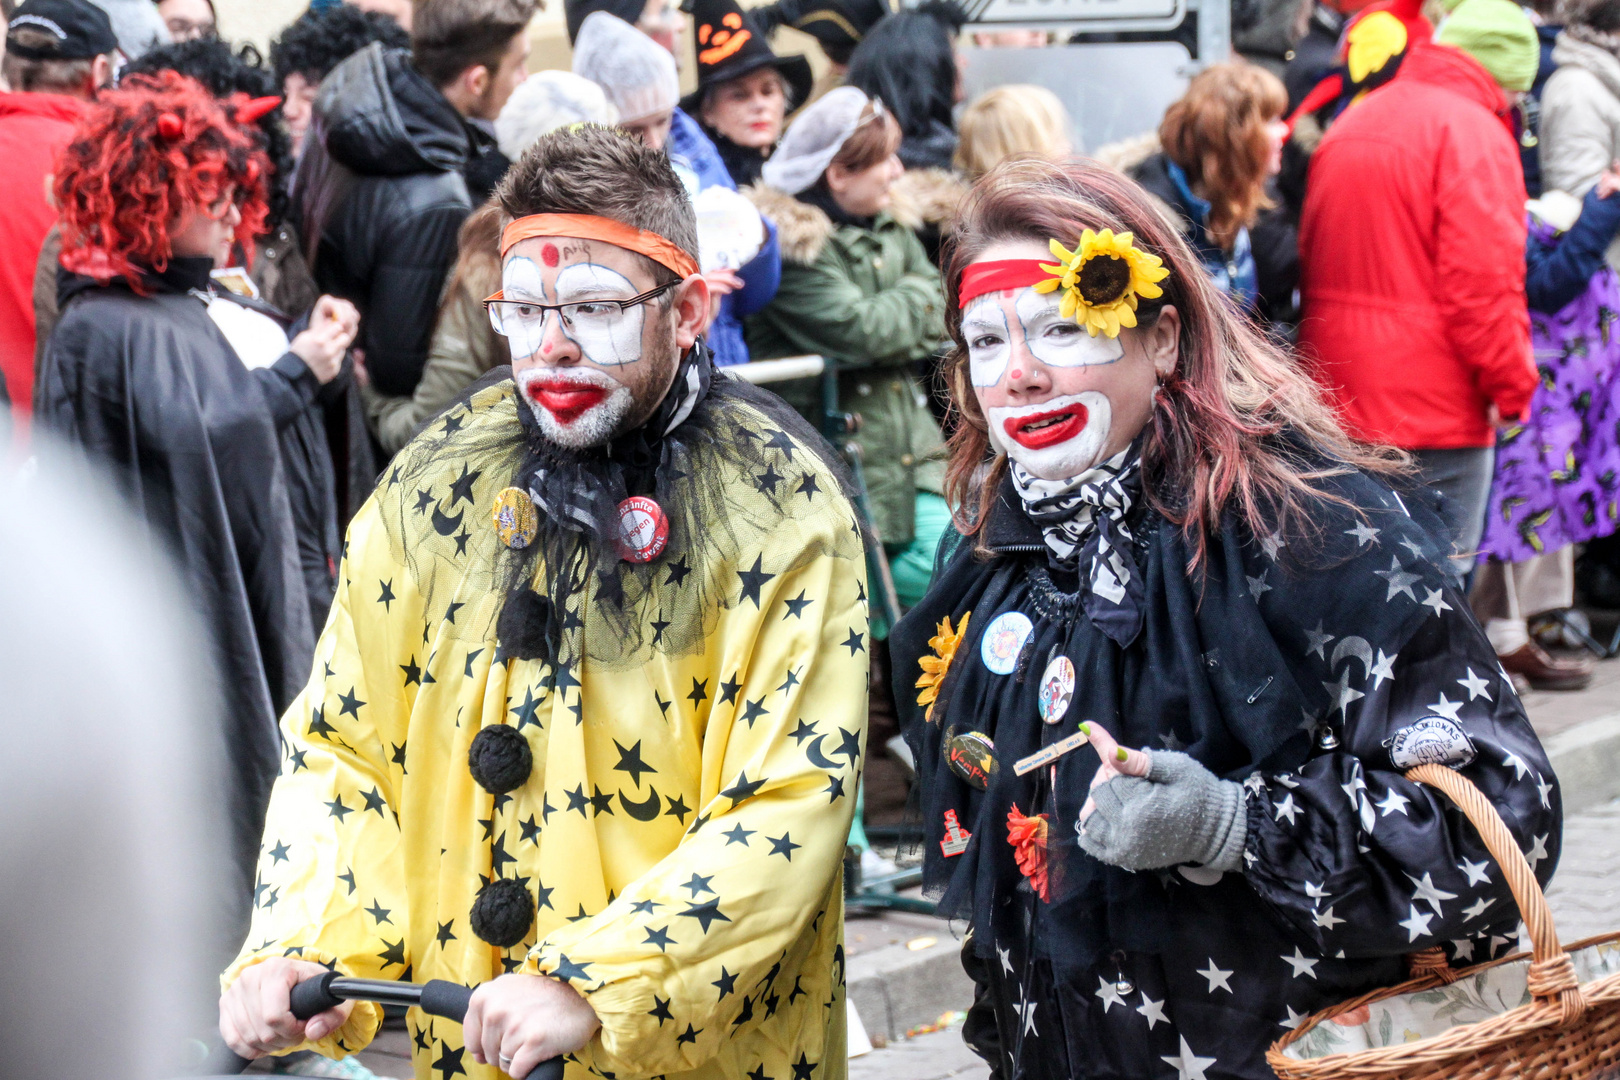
x=837, y=25
x=730, y=46
x=575, y=12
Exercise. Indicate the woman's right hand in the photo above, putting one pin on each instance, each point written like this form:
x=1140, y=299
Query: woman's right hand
x=332, y=328
x=255, y=1017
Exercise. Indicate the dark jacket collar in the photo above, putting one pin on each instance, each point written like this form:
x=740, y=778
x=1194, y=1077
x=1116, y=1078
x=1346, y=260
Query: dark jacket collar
x=379, y=116
x=822, y=199
x=180, y=276
x=1009, y=529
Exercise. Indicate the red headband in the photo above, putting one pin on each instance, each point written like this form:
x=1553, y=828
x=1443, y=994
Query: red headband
x=591, y=227
x=985, y=277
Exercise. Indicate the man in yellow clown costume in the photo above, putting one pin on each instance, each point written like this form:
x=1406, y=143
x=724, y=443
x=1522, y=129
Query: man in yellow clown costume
x=586, y=722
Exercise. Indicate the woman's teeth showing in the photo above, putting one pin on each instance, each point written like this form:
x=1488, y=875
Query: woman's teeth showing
x=1045, y=429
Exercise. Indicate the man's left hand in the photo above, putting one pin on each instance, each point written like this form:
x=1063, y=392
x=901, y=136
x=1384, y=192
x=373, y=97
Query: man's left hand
x=517, y=1021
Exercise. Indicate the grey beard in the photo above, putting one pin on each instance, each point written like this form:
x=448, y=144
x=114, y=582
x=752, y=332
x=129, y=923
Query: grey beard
x=594, y=428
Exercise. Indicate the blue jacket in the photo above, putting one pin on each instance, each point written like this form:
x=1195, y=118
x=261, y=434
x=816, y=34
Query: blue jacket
x=761, y=275
x=1558, y=269
x=1234, y=272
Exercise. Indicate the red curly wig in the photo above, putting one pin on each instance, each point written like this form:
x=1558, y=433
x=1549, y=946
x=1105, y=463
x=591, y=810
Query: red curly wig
x=145, y=155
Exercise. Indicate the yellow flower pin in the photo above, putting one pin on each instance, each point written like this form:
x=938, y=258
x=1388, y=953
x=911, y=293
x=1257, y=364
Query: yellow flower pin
x=944, y=644
x=1102, y=278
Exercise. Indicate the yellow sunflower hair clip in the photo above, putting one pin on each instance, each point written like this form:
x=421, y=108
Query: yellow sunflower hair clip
x=1102, y=278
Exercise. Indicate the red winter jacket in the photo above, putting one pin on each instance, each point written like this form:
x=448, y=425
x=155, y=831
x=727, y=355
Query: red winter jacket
x=1412, y=259
x=33, y=130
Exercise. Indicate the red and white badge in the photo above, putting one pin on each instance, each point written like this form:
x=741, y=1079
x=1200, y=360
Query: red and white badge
x=643, y=529
x=956, y=837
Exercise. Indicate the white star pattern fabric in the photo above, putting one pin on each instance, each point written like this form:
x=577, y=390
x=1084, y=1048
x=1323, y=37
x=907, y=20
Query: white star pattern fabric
x=1353, y=866
x=1189, y=1066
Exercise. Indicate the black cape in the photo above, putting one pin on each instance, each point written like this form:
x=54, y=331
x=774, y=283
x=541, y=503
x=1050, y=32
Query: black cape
x=1289, y=667
x=149, y=386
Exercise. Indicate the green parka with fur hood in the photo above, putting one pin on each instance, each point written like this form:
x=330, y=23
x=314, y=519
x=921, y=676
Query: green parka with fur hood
x=870, y=299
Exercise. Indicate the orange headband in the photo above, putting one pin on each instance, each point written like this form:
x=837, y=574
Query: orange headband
x=591, y=227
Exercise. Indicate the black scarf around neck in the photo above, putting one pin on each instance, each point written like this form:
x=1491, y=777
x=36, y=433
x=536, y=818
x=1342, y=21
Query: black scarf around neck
x=1084, y=521
x=577, y=494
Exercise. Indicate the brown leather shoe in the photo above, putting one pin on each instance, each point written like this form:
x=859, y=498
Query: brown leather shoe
x=1547, y=672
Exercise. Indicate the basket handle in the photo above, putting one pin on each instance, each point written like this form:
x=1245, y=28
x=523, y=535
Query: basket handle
x=1552, y=980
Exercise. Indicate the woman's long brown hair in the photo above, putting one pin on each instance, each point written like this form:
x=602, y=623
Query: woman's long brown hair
x=1216, y=132
x=1216, y=437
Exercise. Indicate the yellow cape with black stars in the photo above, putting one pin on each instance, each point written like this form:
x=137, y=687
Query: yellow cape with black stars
x=683, y=828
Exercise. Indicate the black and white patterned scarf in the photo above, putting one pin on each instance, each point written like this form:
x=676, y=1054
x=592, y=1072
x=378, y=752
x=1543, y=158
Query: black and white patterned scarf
x=1083, y=522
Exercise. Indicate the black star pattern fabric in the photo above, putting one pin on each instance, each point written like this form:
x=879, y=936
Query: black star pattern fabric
x=1302, y=691
x=653, y=881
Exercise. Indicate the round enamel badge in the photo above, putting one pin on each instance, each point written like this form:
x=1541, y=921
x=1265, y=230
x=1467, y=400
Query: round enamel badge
x=1004, y=640
x=643, y=529
x=971, y=756
x=514, y=518
x=1057, y=689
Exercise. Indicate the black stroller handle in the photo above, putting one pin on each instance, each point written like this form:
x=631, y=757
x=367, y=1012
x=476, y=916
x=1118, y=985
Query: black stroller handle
x=313, y=996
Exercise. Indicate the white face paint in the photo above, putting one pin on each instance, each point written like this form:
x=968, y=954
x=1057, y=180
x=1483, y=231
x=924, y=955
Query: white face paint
x=1060, y=342
x=1041, y=328
x=520, y=280
x=984, y=328
x=606, y=334
x=1088, y=413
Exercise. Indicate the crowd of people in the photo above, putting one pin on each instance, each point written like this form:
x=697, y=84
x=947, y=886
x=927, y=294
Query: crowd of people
x=424, y=369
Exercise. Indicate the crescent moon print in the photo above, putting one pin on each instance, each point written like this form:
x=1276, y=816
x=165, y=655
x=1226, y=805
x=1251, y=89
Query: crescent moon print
x=642, y=811
x=1356, y=647
x=443, y=524
x=817, y=758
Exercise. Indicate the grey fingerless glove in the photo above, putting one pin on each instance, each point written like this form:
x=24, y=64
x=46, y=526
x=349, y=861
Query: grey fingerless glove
x=1179, y=813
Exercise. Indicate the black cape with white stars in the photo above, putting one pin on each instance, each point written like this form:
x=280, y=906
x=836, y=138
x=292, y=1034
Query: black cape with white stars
x=1304, y=666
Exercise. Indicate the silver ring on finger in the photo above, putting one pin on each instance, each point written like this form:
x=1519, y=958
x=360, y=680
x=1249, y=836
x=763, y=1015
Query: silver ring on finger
x=506, y=1063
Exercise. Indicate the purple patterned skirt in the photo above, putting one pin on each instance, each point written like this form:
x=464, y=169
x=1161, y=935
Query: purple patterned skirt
x=1558, y=474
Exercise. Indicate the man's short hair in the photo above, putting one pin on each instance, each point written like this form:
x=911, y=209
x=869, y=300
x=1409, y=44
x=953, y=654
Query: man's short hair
x=318, y=41
x=43, y=76
x=450, y=36
x=590, y=169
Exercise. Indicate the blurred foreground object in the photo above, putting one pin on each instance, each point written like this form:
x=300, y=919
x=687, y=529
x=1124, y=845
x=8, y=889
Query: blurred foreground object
x=107, y=789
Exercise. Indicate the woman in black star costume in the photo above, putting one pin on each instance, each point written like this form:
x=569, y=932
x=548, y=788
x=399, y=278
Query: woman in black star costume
x=1168, y=540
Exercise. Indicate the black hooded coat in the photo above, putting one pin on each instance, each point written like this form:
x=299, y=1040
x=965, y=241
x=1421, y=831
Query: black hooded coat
x=149, y=386
x=381, y=194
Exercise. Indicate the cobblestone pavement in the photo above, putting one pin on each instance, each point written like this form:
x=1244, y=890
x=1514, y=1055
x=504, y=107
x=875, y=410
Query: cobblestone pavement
x=1585, y=893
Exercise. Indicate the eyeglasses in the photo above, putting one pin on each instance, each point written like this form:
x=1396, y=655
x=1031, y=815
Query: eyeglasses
x=521, y=318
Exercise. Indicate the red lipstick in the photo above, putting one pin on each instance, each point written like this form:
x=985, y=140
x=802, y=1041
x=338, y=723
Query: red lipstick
x=566, y=401
x=1040, y=430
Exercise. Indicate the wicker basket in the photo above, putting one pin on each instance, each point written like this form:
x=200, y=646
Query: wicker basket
x=1564, y=1031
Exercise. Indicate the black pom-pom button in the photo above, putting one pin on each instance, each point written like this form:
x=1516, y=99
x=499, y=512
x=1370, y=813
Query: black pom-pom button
x=499, y=759
x=502, y=913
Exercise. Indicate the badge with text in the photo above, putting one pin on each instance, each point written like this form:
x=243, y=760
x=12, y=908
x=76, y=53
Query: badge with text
x=1004, y=640
x=956, y=837
x=514, y=518
x=972, y=756
x=1049, y=754
x=1057, y=689
x=643, y=529
x=1433, y=740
